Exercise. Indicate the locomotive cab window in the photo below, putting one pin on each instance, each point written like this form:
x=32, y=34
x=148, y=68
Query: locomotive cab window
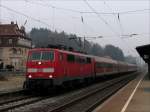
x=35, y=56
x=47, y=56
x=41, y=56
x=71, y=58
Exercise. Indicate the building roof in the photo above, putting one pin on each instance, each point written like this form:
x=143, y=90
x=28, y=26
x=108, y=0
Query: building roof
x=9, y=29
x=12, y=30
x=144, y=52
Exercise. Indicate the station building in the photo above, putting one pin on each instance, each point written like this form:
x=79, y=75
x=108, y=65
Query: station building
x=144, y=52
x=14, y=46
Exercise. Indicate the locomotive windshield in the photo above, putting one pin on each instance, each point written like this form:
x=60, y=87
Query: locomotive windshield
x=41, y=56
x=47, y=56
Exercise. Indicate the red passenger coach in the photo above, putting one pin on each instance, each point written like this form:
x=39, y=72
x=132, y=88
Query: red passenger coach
x=105, y=66
x=49, y=67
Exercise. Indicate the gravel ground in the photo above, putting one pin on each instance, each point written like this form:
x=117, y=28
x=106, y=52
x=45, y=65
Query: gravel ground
x=10, y=83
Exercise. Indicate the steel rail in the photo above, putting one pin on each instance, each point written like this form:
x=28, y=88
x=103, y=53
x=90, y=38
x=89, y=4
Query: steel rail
x=107, y=84
x=19, y=103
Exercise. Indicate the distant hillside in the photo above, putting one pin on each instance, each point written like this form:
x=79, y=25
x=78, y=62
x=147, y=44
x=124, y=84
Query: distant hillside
x=43, y=37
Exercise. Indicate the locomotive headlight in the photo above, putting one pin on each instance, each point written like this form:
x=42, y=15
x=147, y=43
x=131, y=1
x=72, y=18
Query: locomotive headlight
x=30, y=76
x=48, y=70
x=39, y=62
x=31, y=70
x=50, y=76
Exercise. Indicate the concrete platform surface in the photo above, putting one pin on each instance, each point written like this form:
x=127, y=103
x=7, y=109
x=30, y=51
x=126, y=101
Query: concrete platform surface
x=134, y=97
x=11, y=83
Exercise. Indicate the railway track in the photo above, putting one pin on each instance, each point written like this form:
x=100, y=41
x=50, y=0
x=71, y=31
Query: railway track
x=15, y=92
x=86, y=100
x=16, y=100
x=83, y=100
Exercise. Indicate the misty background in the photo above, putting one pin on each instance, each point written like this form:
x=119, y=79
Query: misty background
x=123, y=25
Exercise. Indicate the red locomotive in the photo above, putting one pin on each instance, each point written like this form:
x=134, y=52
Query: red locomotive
x=47, y=67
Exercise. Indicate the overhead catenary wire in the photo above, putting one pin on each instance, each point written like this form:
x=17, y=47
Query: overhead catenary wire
x=121, y=26
x=32, y=18
x=52, y=6
x=20, y=13
x=77, y=11
x=116, y=17
x=114, y=13
x=123, y=12
x=81, y=12
x=101, y=18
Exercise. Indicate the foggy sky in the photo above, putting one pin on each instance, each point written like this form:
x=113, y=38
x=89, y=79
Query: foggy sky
x=92, y=24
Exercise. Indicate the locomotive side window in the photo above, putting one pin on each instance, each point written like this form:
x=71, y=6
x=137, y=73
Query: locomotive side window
x=88, y=60
x=47, y=56
x=82, y=60
x=70, y=58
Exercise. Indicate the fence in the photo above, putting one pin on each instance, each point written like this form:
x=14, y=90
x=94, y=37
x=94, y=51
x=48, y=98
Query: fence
x=6, y=72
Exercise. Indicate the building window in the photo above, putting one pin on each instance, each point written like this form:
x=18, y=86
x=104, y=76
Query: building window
x=10, y=41
x=19, y=51
x=13, y=50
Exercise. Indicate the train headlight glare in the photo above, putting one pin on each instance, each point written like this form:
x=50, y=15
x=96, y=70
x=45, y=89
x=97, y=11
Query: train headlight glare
x=31, y=70
x=39, y=62
x=50, y=76
x=30, y=76
x=48, y=70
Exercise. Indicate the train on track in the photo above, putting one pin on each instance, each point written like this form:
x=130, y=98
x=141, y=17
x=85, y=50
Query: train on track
x=48, y=67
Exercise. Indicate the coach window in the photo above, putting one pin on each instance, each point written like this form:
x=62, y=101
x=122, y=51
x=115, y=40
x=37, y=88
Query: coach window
x=98, y=65
x=108, y=65
x=71, y=58
x=104, y=65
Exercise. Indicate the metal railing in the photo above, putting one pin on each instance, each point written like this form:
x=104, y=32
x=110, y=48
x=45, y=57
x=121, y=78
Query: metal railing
x=4, y=72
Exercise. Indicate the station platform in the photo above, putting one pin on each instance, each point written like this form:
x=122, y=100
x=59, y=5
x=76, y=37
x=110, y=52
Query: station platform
x=134, y=97
x=11, y=83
